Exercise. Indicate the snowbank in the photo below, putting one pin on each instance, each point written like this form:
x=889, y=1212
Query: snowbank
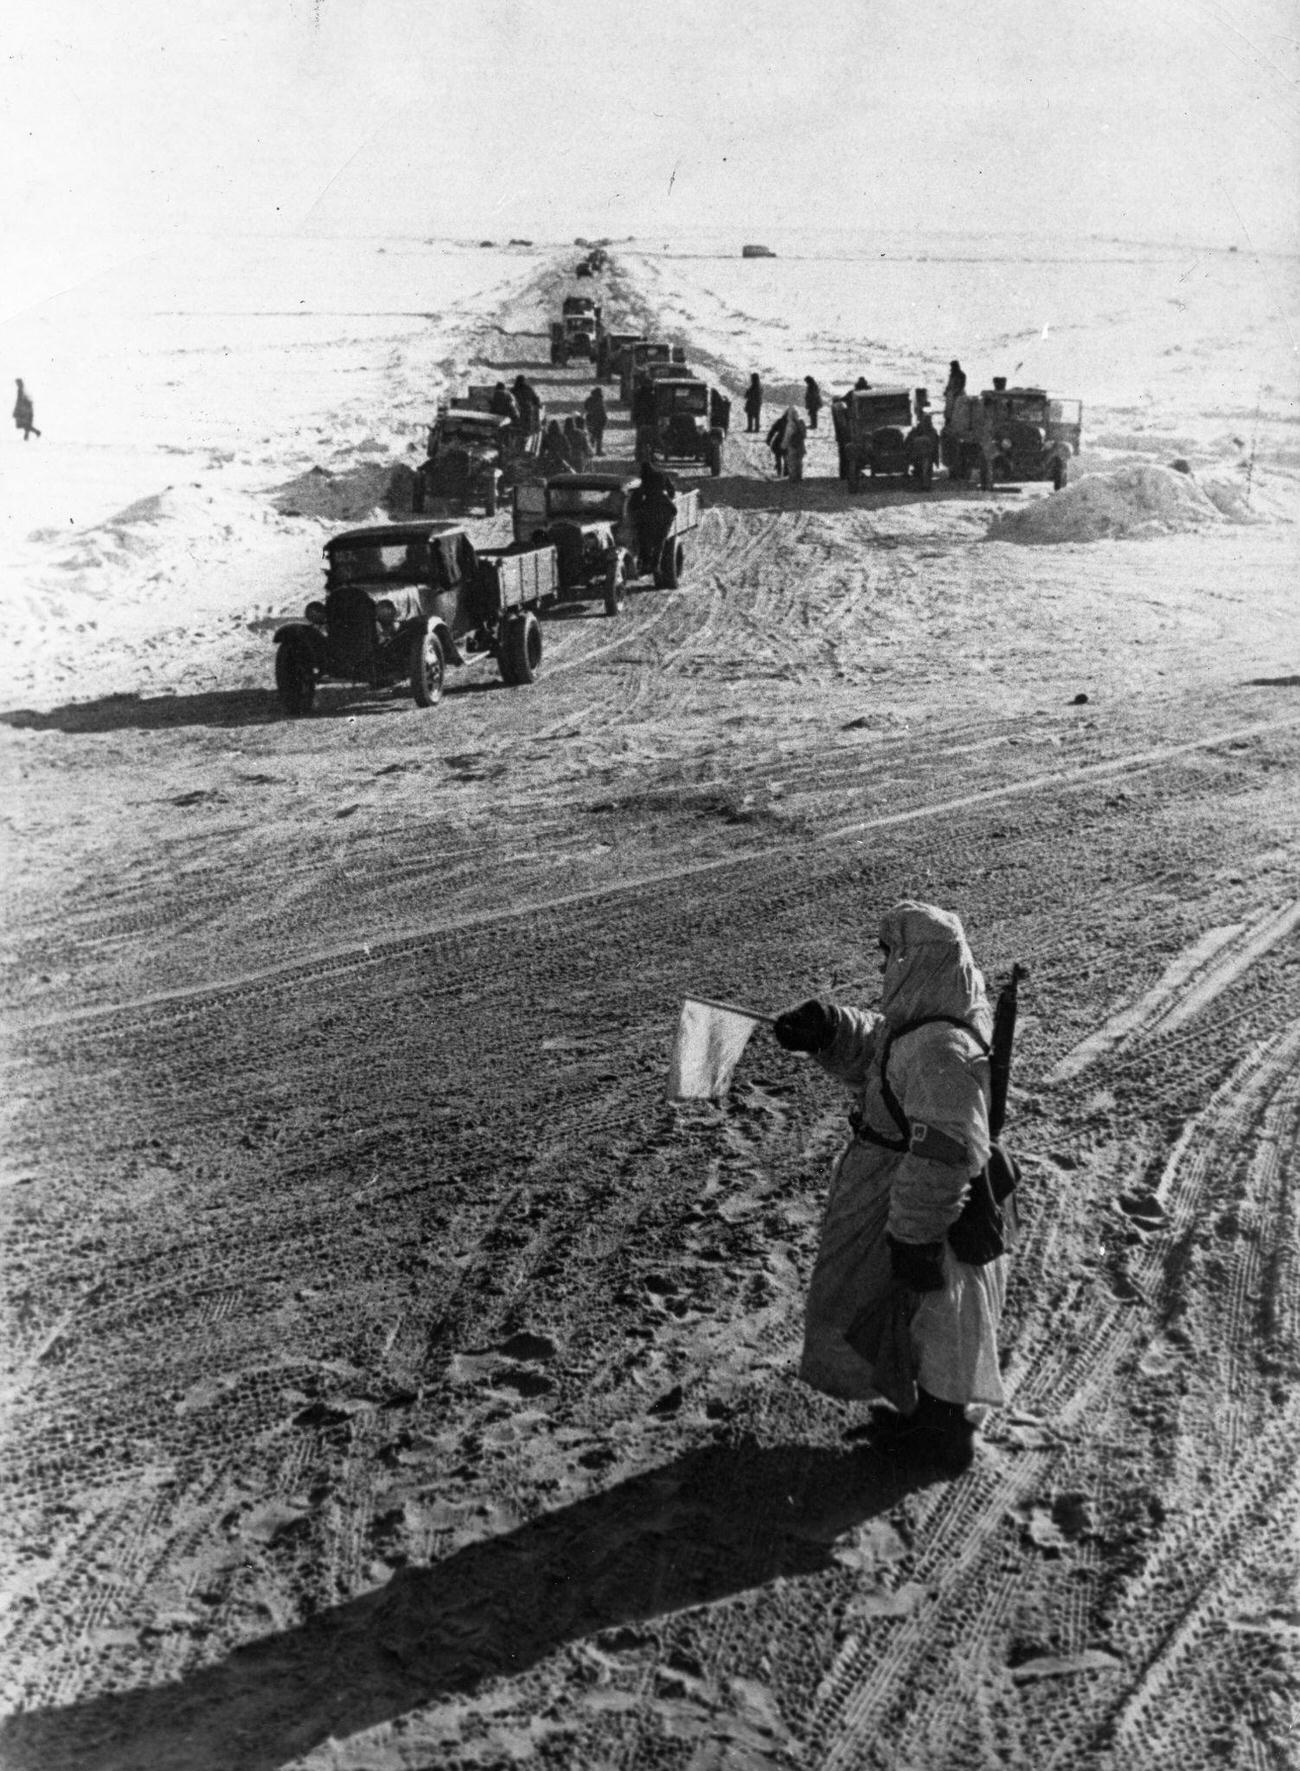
x=355, y=495
x=1133, y=502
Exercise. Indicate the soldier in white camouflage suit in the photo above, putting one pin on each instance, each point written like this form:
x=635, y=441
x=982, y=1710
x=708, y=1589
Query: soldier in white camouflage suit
x=892, y=1311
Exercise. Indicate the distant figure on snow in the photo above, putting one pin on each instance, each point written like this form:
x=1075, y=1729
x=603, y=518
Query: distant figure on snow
x=530, y=406
x=597, y=417
x=25, y=413
x=776, y=443
x=796, y=441
x=955, y=384
x=812, y=399
x=554, y=457
x=577, y=444
x=922, y=444
x=754, y=404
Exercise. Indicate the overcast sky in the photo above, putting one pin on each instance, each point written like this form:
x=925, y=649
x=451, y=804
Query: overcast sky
x=1132, y=118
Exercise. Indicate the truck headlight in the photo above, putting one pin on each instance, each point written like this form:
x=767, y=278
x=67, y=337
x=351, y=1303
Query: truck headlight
x=315, y=613
x=386, y=613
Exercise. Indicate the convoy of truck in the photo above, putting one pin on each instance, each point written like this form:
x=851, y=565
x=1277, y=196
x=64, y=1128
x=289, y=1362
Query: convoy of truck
x=405, y=600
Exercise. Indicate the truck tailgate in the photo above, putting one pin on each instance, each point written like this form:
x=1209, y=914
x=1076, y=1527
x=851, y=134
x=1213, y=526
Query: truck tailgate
x=512, y=578
x=688, y=511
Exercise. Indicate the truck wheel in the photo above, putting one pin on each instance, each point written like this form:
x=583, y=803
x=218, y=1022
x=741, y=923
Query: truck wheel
x=672, y=563
x=521, y=651
x=490, y=499
x=715, y=456
x=295, y=680
x=616, y=584
x=428, y=667
x=418, y=494
x=1059, y=474
x=986, y=475
x=926, y=475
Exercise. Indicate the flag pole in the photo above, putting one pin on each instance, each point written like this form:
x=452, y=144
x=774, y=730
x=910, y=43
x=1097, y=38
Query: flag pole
x=732, y=1008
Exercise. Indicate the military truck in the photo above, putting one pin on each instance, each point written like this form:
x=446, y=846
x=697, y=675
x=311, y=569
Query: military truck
x=578, y=331
x=404, y=600
x=612, y=351
x=586, y=518
x=874, y=430
x=467, y=451
x=639, y=358
x=691, y=420
x=1033, y=436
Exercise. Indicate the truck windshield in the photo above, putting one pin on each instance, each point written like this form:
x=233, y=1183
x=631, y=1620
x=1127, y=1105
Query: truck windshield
x=881, y=414
x=464, y=430
x=584, y=501
x=405, y=562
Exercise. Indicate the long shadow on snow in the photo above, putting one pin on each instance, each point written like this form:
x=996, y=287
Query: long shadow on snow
x=234, y=707
x=715, y=1522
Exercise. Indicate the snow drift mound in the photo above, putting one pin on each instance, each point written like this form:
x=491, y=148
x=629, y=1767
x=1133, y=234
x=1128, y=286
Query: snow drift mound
x=1133, y=502
x=355, y=495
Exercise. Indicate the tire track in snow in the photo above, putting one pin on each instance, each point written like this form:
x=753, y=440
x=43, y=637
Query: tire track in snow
x=325, y=962
x=1189, y=984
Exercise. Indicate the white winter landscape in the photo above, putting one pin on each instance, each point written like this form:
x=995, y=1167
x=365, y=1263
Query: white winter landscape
x=391, y=1377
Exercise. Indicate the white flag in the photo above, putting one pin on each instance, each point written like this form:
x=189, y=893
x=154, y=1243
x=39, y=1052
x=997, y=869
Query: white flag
x=710, y=1038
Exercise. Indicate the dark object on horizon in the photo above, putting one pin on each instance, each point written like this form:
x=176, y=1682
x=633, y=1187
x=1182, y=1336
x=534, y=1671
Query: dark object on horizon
x=1080, y=700
x=1181, y=465
x=521, y=242
x=487, y=242
x=757, y=252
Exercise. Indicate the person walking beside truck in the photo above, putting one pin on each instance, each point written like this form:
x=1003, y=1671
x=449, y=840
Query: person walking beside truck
x=776, y=443
x=795, y=442
x=652, y=506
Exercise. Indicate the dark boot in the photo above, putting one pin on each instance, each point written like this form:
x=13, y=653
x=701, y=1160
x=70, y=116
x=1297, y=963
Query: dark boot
x=937, y=1435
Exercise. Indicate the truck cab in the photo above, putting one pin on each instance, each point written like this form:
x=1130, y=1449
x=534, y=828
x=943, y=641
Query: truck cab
x=1033, y=434
x=588, y=519
x=578, y=331
x=639, y=358
x=466, y=452
x=875, y=431
x=684, y=427
x=612, y=352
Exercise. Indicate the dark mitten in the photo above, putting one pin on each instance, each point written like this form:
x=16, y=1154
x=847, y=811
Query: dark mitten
x=808, y=1028
x=917, y=1265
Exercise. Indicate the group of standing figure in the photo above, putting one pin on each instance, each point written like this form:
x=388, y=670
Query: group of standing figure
x=787, y=437
x=566, y=446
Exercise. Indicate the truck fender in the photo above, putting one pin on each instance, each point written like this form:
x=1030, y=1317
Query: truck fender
x=451, y=651
x=304, y=633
